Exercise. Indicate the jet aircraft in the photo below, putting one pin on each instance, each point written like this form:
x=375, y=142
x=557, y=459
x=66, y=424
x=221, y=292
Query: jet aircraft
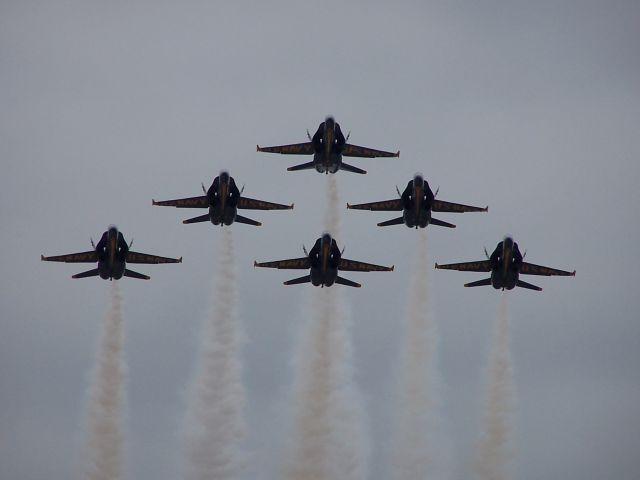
x=112, y=253
x=223, y=199
x=324, y=261
x=328, y=145
x=416, y=203
x=505, y=264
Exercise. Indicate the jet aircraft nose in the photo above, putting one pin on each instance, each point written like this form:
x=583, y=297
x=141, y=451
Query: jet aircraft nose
x=418, y=179
x=326, y=238
x=224, y=177
x=329, y=122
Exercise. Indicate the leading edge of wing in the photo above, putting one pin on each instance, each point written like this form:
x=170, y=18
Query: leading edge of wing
x=532, y=269
x=394, y=205
x=481, y=266
x=192, y=202
x=136, y=257
x=366, y=152
x=252, y=204
x=81, y=257
x=442, y=206
x=291, y=149
x=356, y=266
x=292, y=263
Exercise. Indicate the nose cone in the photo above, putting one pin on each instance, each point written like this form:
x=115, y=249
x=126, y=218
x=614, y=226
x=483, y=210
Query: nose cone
x=224, y=177
x=329, y=122
x=418, y=179
x=326, y=238
x=507, y=243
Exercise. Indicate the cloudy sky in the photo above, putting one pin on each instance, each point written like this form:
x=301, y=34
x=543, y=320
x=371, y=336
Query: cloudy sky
x=529, y=107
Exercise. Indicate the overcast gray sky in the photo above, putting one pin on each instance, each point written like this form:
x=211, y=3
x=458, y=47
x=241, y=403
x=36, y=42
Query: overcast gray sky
x=529, y=107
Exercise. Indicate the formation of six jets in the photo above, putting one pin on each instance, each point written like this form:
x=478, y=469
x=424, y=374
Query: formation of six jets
x=324, y=261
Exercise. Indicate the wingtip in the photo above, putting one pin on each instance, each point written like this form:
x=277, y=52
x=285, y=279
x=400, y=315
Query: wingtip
x=398, y=153
x=348, y=206
x=573, y=274
x=41, y=257
x=184, y=222
x=436, y=266
x=392, y=267
x=486, y=209
x=180, y=260
x=255, y=264
x=153, y=202
x=257, y=148
x=291, y=207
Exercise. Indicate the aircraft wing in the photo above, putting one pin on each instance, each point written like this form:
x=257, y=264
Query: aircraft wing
x=355, y=266
x=292, y=149
x=293, y=263
x=531, y=269
x=251, y=204
x=82, y=257
x=481, y=266
x=442, y=206
x=385, y=205
x=356, y=151
x=191, y=202
x=135, y=257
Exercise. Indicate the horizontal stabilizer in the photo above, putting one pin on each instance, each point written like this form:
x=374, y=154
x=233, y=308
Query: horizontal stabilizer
x=349, y=283
x=248, y=221
x=201, y=218
x=302, y=166
x=479, y=283
x=395, y=221
x=89, y=273
x=305, y=279
x=522, y=284
x=440, y=223
x=351, y=168
x=132, y=274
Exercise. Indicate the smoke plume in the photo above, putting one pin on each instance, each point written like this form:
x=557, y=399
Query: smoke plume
x=420, y=445
x=105, y=443
x=495, y=447
x=214, y=427
x=327, y=424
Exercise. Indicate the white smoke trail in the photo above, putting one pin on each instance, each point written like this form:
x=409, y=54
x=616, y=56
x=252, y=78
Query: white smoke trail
x=421, y=449
x=495, y=447
x=214, y=426
x=332, y=214
x=327, y=438
x=105, y=445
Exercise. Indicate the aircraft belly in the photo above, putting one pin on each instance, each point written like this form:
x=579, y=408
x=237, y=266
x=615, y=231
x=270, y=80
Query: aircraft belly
x=118, y=270
x=316, y=277
x=103, y=270
x=215, y=215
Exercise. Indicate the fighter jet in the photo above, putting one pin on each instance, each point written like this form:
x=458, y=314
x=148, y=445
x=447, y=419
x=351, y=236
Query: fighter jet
x=328, y=145
x=223, y=199
x=416, y=203
x=324, y=261
x=505, y=264
x=112, y=253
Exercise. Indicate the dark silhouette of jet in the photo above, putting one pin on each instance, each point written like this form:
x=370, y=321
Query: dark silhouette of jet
x=328, y=145
x=324, y=262
x=416, y=203
x=223, y=199
x=112, y=253
x=505, y=264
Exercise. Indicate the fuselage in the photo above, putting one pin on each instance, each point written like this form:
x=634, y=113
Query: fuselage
x=324, y=258
x=328, y=142
x=505, y=261
x=417, y=199
x=112, y=254
x=223, y=195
